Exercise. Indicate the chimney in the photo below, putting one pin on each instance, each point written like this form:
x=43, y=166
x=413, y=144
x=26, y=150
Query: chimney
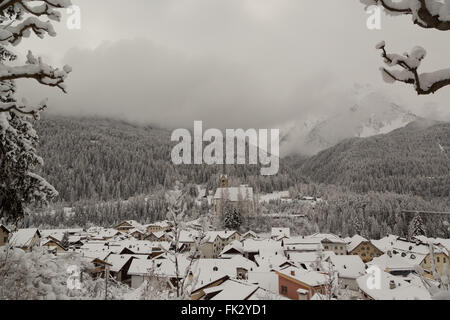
x=392, y=285
x=293, y=273
x=389, y=253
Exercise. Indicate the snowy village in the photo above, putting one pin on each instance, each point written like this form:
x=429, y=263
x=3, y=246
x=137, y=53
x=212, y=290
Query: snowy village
x=182, y=259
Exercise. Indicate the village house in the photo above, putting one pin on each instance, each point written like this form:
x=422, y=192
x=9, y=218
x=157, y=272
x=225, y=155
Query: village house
x=331, y=242
x=214, y=242
x=391, y=287
x=119, y=267
x=127, y=226
x=348, y=268
x=249, y=235
x=158, y=227
x=280, y=233
x=441, y=259
x=302, y=244
x=298, y=284
x=419, y=252
x=394, y=264
x=53, y=244
x=26, y=239
x=157, y=237
x=363, y=248
x=236, y=248
x=203, y=294
x=4, y=235
x=228, y=290
x=137, y=234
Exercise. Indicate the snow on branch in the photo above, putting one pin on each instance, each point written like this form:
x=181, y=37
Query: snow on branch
x=409, y=63
x=36, y=69
x=21, y=108
x=429, y=14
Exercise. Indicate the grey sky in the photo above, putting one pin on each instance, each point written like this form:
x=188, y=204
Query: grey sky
x=231, y=63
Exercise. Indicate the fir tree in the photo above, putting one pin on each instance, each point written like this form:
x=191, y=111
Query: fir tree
x=65, y=240
x=233, y=219
x=416, y=227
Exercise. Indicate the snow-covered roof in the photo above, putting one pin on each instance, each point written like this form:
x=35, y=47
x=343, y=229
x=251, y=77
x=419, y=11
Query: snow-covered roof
x=236, y=245
x=234, y=194
x=395, y=262
x=311, y=278
x=355, y=241
x=401, y=289
x=142, y=246
x=211, y=236
x=224, y=266
x=23, y=237
x=263, y=246
x=232, y=290
x=327, y=237
x=161, y=224
x=279, y=195
x=385, y=244
x=5, y=229
x=141, y=267
x=131, y=224
x=188, y=236
x=118, y=261
x=279, y=233
x=250, y=233
x=158, y=234
x=308, y=258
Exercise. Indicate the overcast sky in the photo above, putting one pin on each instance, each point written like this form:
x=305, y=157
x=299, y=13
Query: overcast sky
x=231, y=63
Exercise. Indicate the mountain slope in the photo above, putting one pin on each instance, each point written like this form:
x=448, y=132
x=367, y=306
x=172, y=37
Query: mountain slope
x=407, y=160
x=101, y=159
x=372, y=113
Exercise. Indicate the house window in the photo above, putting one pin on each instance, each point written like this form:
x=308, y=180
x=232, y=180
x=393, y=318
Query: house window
x=438, y=259
x=5, y=239
x=284, y=290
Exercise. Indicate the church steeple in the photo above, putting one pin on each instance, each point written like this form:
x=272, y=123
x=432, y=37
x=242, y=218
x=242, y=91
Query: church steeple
x=223, y=183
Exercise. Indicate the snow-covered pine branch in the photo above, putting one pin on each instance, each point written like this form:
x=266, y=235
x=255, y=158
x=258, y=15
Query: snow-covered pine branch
x=409, y=63
x=429, y=14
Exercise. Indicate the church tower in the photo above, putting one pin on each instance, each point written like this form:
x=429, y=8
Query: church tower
x=223, y=182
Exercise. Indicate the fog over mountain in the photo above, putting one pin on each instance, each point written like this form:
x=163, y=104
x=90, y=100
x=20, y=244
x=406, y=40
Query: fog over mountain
x=369, y=112
x=243, y=64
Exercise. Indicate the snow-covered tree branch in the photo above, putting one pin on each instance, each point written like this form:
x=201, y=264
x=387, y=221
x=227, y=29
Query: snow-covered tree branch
x=409, y=63
x=429, y=14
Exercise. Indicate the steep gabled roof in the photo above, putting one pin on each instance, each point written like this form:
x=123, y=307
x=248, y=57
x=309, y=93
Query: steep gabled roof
x=5, y=229
x=23, y=237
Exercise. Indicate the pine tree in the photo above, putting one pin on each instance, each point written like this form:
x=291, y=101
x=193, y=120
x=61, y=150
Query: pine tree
x=19, y=186
x=416, y=227
x=233, y=219
x=65, y=240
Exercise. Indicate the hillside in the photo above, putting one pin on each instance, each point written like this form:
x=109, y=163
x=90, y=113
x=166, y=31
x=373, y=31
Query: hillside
x=101, y=159
x=407, y=160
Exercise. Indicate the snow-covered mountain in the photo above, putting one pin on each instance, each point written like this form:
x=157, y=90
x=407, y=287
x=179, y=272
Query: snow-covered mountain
x=371, y=114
